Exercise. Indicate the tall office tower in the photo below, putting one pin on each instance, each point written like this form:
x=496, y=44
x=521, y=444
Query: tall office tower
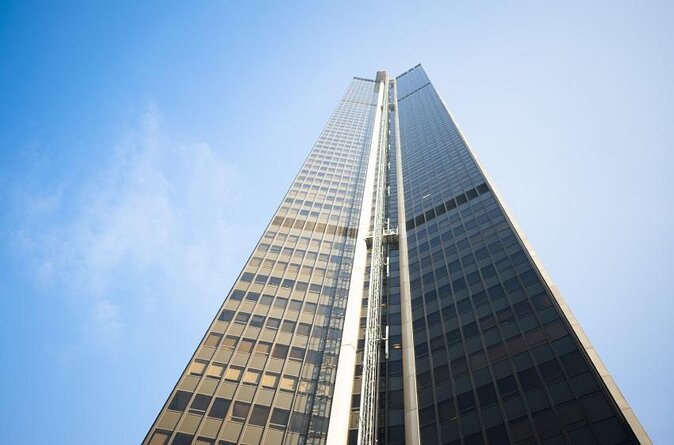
x=393, y=300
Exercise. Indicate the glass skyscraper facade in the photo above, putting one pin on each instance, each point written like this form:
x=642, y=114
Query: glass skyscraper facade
x=392, y=300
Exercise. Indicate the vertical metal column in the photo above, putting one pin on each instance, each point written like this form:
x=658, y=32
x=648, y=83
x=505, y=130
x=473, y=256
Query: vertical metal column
x=412, y=432
x=369, y=407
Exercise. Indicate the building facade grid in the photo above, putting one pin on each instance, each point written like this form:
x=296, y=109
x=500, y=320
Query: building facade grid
x=475, y=345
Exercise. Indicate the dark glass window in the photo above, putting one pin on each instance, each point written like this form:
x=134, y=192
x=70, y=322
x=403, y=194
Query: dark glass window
x=470, y=330
x=273, y=323
x=226, y=315
x=303, y=329
x=279, y=417
x=427, y=415
x=241, y=318
x=240, y=411
x=280, y=351
x=200, y=403
x=551, y=371
x=297, y=353
x=529, y=379
x=466, y=401
x=182, y=439
x=237, y=295
x=180, y=400
x=474, y=439
x=446, y=411
x=257, y=321
x=486, y=394
x=497, y=435
x=574, y=363
x=288, y=326
x=507, y=385
x=259, y=415
x=219, y=408
x=253, y=296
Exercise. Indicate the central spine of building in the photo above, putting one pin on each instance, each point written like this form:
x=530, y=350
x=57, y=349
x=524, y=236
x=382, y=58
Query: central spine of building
x=371, y=223
x=380, y=235
x=373, y=327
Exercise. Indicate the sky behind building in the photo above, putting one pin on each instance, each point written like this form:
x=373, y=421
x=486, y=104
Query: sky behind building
x=144, y=148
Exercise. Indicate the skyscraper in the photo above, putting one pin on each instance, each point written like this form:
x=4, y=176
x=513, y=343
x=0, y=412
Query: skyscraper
x=392, y=299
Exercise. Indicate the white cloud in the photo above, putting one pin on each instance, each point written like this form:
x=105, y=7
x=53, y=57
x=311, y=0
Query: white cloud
x=146, y=232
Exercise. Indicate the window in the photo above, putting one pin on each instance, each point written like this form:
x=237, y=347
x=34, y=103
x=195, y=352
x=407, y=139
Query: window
x=204, y=441
x=280, y=351
x=288, y=383
x=159, y=438
x=226, y=315
x=555, y=330
x=270, y=380
x=233, y=373
x=230, y=343
x=182, y=439
x=296, y=353
x=257, y=321
x=529, y=379
x=574, y=363
x=219, y=408
x=497, y=434
x=213, y=339
x=251, y=377
x=427, y=415
x=241, y=318
x=288, y=326
x=240, y=411
x=279, y=417
x=263, y=349
x=303, y=329
x=297, y=422
x=237, y=295
x=246, y=346
x=180, y=400
x=215, y=370
x=541, y=301
x=486, y=394
x=446, y=411
x=551, y=371
x=252, y=296
x=507, y=385
x=259, y=415
x=198, y=367
x=200, y=403
x=424, y=379
x=273, y=323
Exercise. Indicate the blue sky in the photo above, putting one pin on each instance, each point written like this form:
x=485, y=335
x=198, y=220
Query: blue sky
x=144, y=146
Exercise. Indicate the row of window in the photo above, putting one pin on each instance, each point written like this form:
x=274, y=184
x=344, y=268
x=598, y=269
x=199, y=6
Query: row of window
x=448, y=205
